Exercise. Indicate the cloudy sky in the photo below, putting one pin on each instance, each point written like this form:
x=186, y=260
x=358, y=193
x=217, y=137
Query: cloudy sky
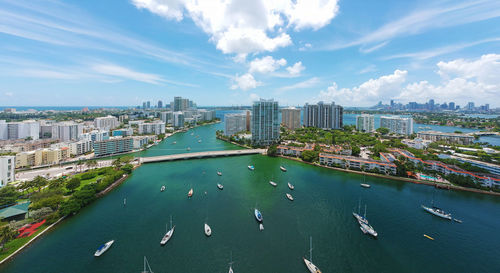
x=231, y=52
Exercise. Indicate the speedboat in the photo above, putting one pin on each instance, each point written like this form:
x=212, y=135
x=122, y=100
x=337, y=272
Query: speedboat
x=290, y=186
x=289, y=196
x=168, y=235
x=103, y=248
x=220, y=186
x=273, y=183
x=219, y=173
x=258, y=215
x=208, y=230
x=251, y=167
x=365, y=185
x=282, y=168
x=190, y=193
x=162, y=188
x=312, y=268
x=261, y=227
x=199, y=140
x=438, y=212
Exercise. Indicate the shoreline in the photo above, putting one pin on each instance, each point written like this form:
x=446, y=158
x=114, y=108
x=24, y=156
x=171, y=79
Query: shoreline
x=404, y=179
x=234, y=143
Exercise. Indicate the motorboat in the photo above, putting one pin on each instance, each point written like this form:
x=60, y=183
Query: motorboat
x=208, y=230
x=188, y=148
x=261, y=227
x=365, y=185
x=282, y=168
x=199, y=140
x=103, y=248
x=438, y=212
x=273, y=183
x=251, y=167
x=220, y=186
x=258, y=215
x=289, y=196
x=175, y=142
x=169, y=233
x=290, y=186
x=219, y=173
x=312, y=268
x=162, y=188
x=190, y=193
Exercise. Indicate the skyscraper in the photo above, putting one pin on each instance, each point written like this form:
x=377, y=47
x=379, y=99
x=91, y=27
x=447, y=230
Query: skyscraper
x=234, y=123
x=148, y=104
x=323, y=115
x=265, y=122
x=290, y=117
x=397, y=124
x=365, y=123
x=160, y=104
x=470, y=106
x=451, y=106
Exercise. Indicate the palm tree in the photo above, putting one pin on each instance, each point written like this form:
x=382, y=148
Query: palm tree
x=6, y=234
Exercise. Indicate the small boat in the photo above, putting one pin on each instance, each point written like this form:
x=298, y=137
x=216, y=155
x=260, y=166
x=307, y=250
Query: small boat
x=273, y=183
x=169, y=233
x=231, y=264
x=365, y=185
x=437, y=212
x=282, y=168
x=175, y=142
x=146, y=264
x=190, y=193
x=219, y=173
x=312, y=268
x=199, y=140
x=208, y=230
x=367, y=229
x=188, y=148
x=457, y=220
x=258, y=215
x=428, y=237
x=251, y=167
x=124, y=201
x=162, y=188
x=261, y=227
x=220, y=186
x=103, y=248
x=290, y=186
x=289, y=196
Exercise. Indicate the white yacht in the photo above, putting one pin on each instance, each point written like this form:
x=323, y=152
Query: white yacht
x=312, y=268
x=273, y=183
x=289, y=196
x=103, y=248
x=220, y=186
x=437, y=211
x=162, y=188
x=290, y=186
x=208, y=230
x=169, y=233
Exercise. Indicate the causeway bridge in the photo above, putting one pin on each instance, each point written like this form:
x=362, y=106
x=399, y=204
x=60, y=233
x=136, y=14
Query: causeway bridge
x=198, y=155
x=484, y=133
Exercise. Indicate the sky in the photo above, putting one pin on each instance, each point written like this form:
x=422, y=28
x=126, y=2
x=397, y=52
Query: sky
x=232, y=52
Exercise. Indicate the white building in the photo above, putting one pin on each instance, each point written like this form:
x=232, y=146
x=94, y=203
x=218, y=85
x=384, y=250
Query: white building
x=4, y=131
x=66, y=131
x=19, y=130
x=139, y=141
x=365, y=123
x=106, y=123
x=95, y=135
x=397, y=124
x=7, y=167
x=166, y=117
x=156, y=127
x=416, y=143
x=234, y=123
x=178, y=120
x=80, y=147
x=206, y=115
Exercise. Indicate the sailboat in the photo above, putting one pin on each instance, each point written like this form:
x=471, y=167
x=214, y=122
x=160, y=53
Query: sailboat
x=437, y=211
x=208, y=230
x=312, y=268
x=359, y=217
x=365, y=227
x=146, y=264
x=364, y=185
x=169, y=233
x=231, y=264
x=162, y=188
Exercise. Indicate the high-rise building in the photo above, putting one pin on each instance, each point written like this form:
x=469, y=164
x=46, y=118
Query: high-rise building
x=265, y=122
x=20, y=130
x=7, y=169
x=160, y=104
x=144, y=105
x=397, y=124
x=166, y=117
x=470, y=106
x=148, y=105
x=4, y=130
x=234, y=123
x=178, y=118
x=323, y=115
x=106, y=123
x=365, y=123
x=65, y=131
x=431, y=104
x=451, y=106
x=249, y=120
x=290, y=118
x=157, y=127
x=487, y=107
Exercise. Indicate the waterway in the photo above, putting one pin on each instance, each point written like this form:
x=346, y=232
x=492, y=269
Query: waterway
x=324, y=201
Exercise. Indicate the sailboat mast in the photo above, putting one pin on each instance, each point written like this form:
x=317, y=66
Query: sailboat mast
x=311, y=248
x=365, y=212
x=170, y=221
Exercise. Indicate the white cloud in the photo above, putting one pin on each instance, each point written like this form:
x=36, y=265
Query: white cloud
x=245, y=82
x=301, y=85
x=485, y=70
x=242, y=26
x=305, y=47
x=125, y=73
x=266, y=64
x=296, y=69
x=9, y=94
x=368, y=69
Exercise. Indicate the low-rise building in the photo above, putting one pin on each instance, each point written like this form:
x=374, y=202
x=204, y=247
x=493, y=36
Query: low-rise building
x=124, y=132
x=114, y=145
x=463, y=139
x=416, y=143
x=352, y=162
x=290, y=150
x=140, y=141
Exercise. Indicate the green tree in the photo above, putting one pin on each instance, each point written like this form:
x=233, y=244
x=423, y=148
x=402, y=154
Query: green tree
x=8, y=195
x=127, y=168
x=383, y=130
x=39, y=182
x=272, y=150
x=355, y=150
x=72, y=184
x=69, y=207
x=310, y=156
x=6, y=234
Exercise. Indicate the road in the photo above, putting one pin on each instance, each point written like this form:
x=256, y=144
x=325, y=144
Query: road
x=55, y=172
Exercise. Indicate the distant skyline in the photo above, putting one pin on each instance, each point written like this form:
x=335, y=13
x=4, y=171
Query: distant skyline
x=223, y=53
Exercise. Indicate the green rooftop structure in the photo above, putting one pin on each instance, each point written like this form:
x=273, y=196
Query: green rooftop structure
x=16, y=212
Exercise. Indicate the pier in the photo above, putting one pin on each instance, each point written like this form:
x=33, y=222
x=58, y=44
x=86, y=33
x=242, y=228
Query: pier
x=199, y=155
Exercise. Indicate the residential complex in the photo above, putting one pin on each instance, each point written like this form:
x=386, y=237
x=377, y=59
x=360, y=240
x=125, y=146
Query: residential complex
x=7, y=169
x=463, y=139
x=365, y=123
x=178, y=119
x=234, y=123
x=265, y=122
x=114, y=145
x=323, y=115
x=28, y=129
x=157, y=127
x=290, y=118
x=106, y=123
x=351, y=162
x=397, y=124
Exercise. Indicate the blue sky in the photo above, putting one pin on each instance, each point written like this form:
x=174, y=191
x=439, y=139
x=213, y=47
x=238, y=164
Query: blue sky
x=232, y=52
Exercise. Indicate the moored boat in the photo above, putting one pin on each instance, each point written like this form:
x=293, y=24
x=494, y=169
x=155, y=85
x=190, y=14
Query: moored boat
x=220, y=186
x=437, y=212
x=219, y=173
x=367, y=229
x=290, y=186
x=188, y=148
x=208, y=230
x=365, y=185
x=162, y=188
x=312, y=268
x=199, y=140
x=251, y=167
x=103, y=248
x=169, y=233
x=282, y=168
x=289, y=196
x=273, y=183
x=258, y=215
x=190, y=193
x=261, y=226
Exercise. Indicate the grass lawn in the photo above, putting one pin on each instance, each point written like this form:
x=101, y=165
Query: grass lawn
x=15, y=244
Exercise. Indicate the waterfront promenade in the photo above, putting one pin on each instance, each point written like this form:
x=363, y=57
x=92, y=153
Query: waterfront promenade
x=198, y=155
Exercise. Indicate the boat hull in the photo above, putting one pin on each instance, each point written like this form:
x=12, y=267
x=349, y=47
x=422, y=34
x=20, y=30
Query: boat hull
x=103, y=248
x=167, y=236
x=258, y=215
x=311, y=267
x=432, y=211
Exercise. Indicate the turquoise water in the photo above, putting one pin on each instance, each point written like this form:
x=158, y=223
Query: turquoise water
x=324, y=200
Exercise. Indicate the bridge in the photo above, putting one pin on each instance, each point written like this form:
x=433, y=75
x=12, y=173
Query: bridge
x=198, y=155
x=484, y=133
